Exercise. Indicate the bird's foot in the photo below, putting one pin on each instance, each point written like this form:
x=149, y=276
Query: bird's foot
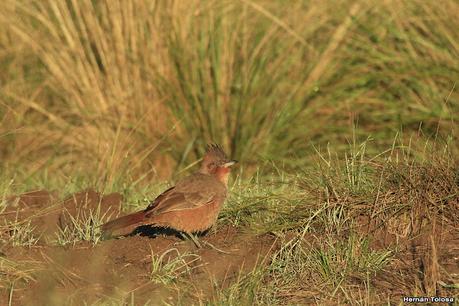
x=215, y=248
x=193, y=238
x=199, y=244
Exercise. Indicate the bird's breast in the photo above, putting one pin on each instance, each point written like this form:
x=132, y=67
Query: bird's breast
x=222, y=175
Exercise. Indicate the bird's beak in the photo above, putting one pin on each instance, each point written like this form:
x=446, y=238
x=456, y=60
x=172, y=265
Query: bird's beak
x=230, y=163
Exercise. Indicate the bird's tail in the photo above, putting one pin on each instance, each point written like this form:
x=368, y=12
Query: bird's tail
x=123, y=225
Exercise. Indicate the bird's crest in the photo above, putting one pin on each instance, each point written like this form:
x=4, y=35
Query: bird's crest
x=215, y=151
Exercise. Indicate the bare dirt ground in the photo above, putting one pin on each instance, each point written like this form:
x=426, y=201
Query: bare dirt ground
x=119, y=267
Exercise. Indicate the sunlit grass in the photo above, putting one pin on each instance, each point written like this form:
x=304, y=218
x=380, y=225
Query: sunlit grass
x=21, y=234
x=169, y=266
x=14, y=272
x=83, y=227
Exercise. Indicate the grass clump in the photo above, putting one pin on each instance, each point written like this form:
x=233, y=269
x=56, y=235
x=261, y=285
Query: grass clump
x=83, y=227
x=167, y=269
x=22, y=234
x=246, y=289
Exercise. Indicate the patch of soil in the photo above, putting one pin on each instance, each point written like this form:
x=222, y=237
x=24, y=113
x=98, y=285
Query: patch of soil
x=33, y=199
x=122, y=268
x=47, y=214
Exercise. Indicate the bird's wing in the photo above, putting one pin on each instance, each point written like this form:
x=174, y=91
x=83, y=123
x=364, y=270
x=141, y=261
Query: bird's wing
x=173, y=200
x=191, y=192
x=160, y=198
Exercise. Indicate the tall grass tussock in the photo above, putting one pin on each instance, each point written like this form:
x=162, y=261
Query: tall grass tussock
x=135, y=88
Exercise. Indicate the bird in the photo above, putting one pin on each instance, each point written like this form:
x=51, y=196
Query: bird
x=190, y=207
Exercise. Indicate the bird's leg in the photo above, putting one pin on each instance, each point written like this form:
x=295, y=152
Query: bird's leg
x=192, y=238
x=215, y=248
x=197, y=243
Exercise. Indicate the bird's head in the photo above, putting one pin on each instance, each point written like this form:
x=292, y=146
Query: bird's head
x=215, y=162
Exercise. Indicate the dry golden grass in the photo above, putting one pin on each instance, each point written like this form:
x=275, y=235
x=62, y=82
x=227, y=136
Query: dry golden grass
x=135, y=88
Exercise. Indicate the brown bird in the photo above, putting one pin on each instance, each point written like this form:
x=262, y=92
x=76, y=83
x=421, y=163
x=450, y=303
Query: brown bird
x=191, y=206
